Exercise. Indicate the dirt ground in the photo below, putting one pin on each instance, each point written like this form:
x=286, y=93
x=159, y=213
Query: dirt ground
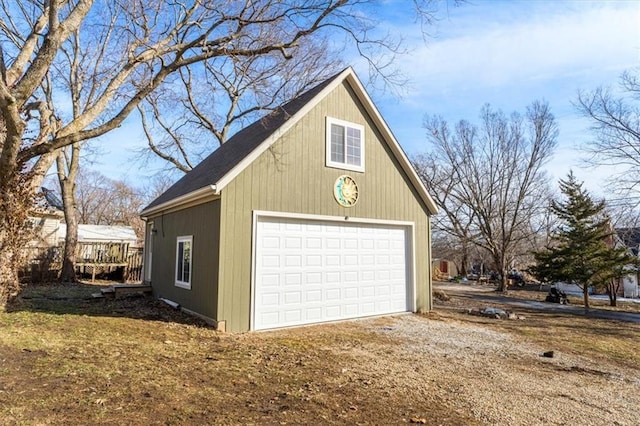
x=66, y=358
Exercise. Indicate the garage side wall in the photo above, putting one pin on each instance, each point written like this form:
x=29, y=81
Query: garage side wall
x=292, y=177
x=201, y=222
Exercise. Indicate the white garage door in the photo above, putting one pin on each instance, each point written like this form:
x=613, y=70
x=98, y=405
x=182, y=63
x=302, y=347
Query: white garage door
x=313, y=271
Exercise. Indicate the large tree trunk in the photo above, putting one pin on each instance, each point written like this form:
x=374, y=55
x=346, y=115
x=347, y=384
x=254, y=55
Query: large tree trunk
x=67, y=173
x=9, y=283
x=68, y=273
x=585, y=295
x=612, y=291
x=503, y=284
x=17, y=201
x=464, y=261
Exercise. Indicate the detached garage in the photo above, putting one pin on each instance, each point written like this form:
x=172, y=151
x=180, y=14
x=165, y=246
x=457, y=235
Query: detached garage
x=311, y=214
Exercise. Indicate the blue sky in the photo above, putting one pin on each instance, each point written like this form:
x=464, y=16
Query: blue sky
x=509, y=53
x=506, y=53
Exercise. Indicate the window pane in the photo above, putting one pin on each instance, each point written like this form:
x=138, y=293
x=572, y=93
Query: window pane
x=187, y=261
x=337, y=143
x=353, y=146
x=180, y=261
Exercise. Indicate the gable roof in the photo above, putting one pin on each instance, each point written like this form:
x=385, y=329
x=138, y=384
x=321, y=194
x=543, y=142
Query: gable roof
x=211, y=175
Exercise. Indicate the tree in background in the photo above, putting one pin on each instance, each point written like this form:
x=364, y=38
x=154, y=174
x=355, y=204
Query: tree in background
x=141, y=45
x=489, y=179
x=453, y=232
x=104, y=201
x=582, y=250
x=615, y=121
x=225, y=96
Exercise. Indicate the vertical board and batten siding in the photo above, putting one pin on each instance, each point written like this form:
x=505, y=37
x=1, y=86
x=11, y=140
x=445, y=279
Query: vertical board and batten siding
x=292, y=177
x=201, y=222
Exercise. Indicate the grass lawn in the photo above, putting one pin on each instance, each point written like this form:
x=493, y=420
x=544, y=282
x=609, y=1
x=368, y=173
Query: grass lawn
x=66, y=358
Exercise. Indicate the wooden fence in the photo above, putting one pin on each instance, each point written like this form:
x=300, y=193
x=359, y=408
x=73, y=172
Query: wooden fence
x=116, y=261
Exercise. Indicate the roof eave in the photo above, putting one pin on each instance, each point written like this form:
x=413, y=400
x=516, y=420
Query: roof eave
x=191, y=197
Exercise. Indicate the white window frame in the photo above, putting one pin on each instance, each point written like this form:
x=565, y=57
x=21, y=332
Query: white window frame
x=180, y=283
x=346, y=125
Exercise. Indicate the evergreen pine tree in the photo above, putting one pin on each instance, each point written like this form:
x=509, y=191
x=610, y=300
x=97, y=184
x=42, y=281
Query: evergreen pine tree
x=582, y=251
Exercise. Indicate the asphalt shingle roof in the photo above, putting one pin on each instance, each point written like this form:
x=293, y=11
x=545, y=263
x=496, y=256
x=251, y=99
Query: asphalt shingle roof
x=228, y=155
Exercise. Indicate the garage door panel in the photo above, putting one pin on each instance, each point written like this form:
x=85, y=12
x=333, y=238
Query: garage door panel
x=332, y=294
x=271, y=261
x=332, y=312
x=313, y=277
x=311, y=271
x=313, y=296
x=314, y=314
x=332, y=277
x=313, y=243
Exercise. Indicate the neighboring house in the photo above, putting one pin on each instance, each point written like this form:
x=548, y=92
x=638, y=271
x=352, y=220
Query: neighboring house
x=107, y=246
x=46, y=223
x=45, y=218
x=630, y=237
x=311, y=214
x=101, y=248
x=100, y=234
x=444, y=269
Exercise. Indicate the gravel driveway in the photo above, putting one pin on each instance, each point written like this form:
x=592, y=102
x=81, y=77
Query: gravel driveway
x=499, y=379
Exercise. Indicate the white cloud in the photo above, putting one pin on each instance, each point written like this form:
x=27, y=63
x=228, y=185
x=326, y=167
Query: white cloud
x=579, y=43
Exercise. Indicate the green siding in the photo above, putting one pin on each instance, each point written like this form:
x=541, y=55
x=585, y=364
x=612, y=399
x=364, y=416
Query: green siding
x=202, y=223
x=292, y=177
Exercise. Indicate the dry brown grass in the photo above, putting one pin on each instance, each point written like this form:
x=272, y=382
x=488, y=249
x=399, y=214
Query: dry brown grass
x=68, y=359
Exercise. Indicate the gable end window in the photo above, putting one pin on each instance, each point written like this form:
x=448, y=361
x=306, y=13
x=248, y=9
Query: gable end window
x=345, y=145
x=184, y=256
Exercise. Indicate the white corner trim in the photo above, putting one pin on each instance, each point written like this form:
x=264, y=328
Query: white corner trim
x=413, y=271
x=183, y=199
x=254, y=236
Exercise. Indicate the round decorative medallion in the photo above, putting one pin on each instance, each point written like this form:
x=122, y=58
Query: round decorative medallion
x=346, y=191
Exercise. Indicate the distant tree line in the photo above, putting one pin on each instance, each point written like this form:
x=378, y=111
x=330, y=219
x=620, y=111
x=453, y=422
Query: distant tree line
x=498, y=206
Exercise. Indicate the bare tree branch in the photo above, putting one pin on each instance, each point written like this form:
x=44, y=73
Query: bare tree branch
x=615, y=123
x=489, y=180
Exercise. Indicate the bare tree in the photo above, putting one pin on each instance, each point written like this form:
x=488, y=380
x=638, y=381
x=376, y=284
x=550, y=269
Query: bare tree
x=141, y=44
x=67, y=166
x=615, y=122
x=493, y=177
x=224, y=96
x=455, y=223
x=104, y=201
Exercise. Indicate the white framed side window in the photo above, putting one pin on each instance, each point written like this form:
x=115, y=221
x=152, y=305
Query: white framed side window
x=344, y=145
x=184, y=256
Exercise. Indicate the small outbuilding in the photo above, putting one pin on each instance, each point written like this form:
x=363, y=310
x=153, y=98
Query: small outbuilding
x=311, y=214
